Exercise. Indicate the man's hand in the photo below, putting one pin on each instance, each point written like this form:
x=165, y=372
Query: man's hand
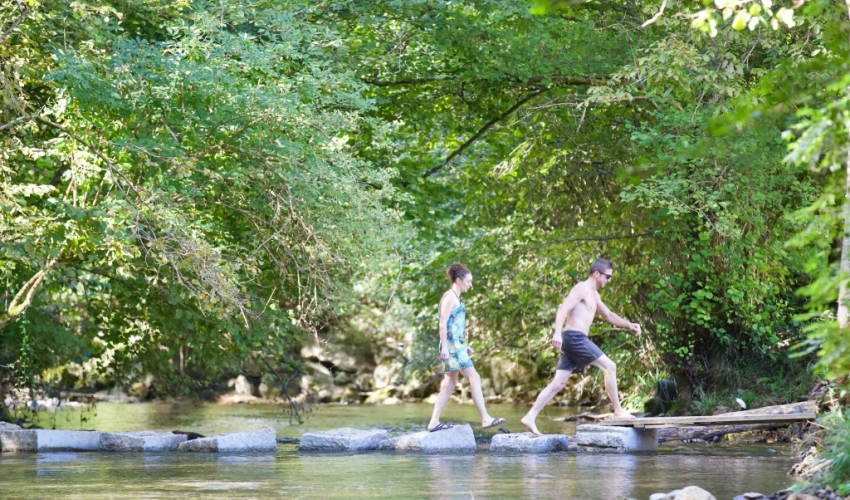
x=444, y=353
x=556, y=341
x=635, y=328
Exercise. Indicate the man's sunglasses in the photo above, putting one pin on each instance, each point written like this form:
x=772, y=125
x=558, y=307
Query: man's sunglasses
x=606, y=275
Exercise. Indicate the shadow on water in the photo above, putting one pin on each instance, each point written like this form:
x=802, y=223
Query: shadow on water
x=723, y=471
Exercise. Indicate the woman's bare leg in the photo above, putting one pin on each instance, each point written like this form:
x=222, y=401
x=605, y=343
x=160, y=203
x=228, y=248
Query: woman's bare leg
x=449, y=383
x=477, y=395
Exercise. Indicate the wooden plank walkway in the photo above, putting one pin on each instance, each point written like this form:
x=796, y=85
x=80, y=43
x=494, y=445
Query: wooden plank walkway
x=725, y=419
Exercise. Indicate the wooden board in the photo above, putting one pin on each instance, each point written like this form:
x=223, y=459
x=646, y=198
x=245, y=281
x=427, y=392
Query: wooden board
x=725, y=419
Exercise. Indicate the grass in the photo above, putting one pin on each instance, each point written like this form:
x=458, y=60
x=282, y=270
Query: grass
x=707, y=403
x=758, y=383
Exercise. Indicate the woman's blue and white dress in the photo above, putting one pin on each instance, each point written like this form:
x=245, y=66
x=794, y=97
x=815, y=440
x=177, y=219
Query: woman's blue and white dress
x=455, y=340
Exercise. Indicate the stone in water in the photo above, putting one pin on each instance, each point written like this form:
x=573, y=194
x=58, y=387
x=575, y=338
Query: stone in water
x=458, y=439
x=344, y=439
x=525, y=442
x=260, y=440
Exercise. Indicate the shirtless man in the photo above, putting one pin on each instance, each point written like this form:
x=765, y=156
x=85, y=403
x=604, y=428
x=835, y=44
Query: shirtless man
x=578, y=309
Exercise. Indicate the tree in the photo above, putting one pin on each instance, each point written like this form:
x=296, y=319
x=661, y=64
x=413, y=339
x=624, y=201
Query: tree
x=530, y=145
x=179, y=193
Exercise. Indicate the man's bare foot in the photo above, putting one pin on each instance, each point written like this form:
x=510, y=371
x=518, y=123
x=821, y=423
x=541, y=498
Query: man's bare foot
x=623, y=415
x=529, y=424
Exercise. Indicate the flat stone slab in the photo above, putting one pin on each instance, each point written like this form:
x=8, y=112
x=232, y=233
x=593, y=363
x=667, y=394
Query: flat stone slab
x=259, y=440
x=140, y=441
x=526, y=442
x=23, y=441
x=458, y=439
x=49, y=440
x=344, y=439
x=388, y=444
x=734, y=418
x=686, y=493
x=619, y=438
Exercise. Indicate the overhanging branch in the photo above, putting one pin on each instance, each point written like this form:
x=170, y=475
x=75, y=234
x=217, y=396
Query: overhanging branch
x=25, y=295
x=483, y=130
x=535, y=80
x=24, y=14
x=410, y=81
x=605, y=237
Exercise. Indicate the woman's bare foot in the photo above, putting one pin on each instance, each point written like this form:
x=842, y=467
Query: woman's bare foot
x=623, y=415
x=529, y=424
x=491, y=422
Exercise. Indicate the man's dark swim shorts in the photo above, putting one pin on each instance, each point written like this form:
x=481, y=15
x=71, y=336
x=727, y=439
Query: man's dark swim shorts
x=577, y=351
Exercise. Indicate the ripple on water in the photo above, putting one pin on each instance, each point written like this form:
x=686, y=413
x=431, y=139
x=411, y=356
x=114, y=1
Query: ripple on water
x=215, y=485
x=725, y=472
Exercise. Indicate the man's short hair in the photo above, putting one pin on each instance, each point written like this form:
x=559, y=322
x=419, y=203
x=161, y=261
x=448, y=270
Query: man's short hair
x=600, y=266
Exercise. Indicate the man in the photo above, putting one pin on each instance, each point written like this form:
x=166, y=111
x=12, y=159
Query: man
x=577, y=350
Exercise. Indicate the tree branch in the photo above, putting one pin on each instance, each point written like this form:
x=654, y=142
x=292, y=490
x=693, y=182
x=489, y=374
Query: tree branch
x=112, y=168
x=15, y=24
x=24, y=297
x=57, y=177
x=606, y=237
x=411, y=81
x=535, y=80
x=487, y=126
x=16, y=120
x=657, y=15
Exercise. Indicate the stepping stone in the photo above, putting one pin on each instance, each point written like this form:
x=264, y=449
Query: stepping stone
x=458, y=439
x=6, y=426
x=344, y=439
x=260, y=440
x=49, y=440
x=388, y=444
x=617, y=438
x=140, y=441
x=525, y=442
x=23, y=441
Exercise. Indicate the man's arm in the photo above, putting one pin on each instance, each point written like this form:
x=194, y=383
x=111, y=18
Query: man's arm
x=614, y=319
x=573, y=298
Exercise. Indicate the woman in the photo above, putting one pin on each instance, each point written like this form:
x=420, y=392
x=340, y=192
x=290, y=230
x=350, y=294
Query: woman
x=454, y=352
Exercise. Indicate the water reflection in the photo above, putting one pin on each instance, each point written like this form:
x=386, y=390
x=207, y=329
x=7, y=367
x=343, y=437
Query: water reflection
x=725, y=472
x=207, y=419
x=382, y=475
x=451, y=476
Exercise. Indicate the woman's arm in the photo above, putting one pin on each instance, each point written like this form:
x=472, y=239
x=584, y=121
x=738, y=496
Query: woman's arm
x=447, y=304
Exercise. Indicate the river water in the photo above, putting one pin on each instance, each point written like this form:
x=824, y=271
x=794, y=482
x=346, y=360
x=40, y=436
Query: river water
x=724, y=470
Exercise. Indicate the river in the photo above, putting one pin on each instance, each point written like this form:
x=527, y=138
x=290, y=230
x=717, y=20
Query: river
x=725, y=470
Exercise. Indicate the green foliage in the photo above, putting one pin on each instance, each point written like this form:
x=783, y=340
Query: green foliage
x=837, y=450
x=610, y=150
x=178, y=187
x=707, y=403
x=187, y=186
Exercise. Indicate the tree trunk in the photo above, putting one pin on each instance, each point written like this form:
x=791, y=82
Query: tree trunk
x=682, y=433
x=843, y=312
x=705, y=432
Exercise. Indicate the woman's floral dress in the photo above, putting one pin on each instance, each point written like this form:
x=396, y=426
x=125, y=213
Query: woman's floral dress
x=458, y=355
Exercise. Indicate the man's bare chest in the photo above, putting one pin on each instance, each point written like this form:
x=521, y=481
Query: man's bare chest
x=585, y=309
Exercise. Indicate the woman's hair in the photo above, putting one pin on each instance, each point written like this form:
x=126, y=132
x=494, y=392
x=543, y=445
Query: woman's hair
x=457, y=271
